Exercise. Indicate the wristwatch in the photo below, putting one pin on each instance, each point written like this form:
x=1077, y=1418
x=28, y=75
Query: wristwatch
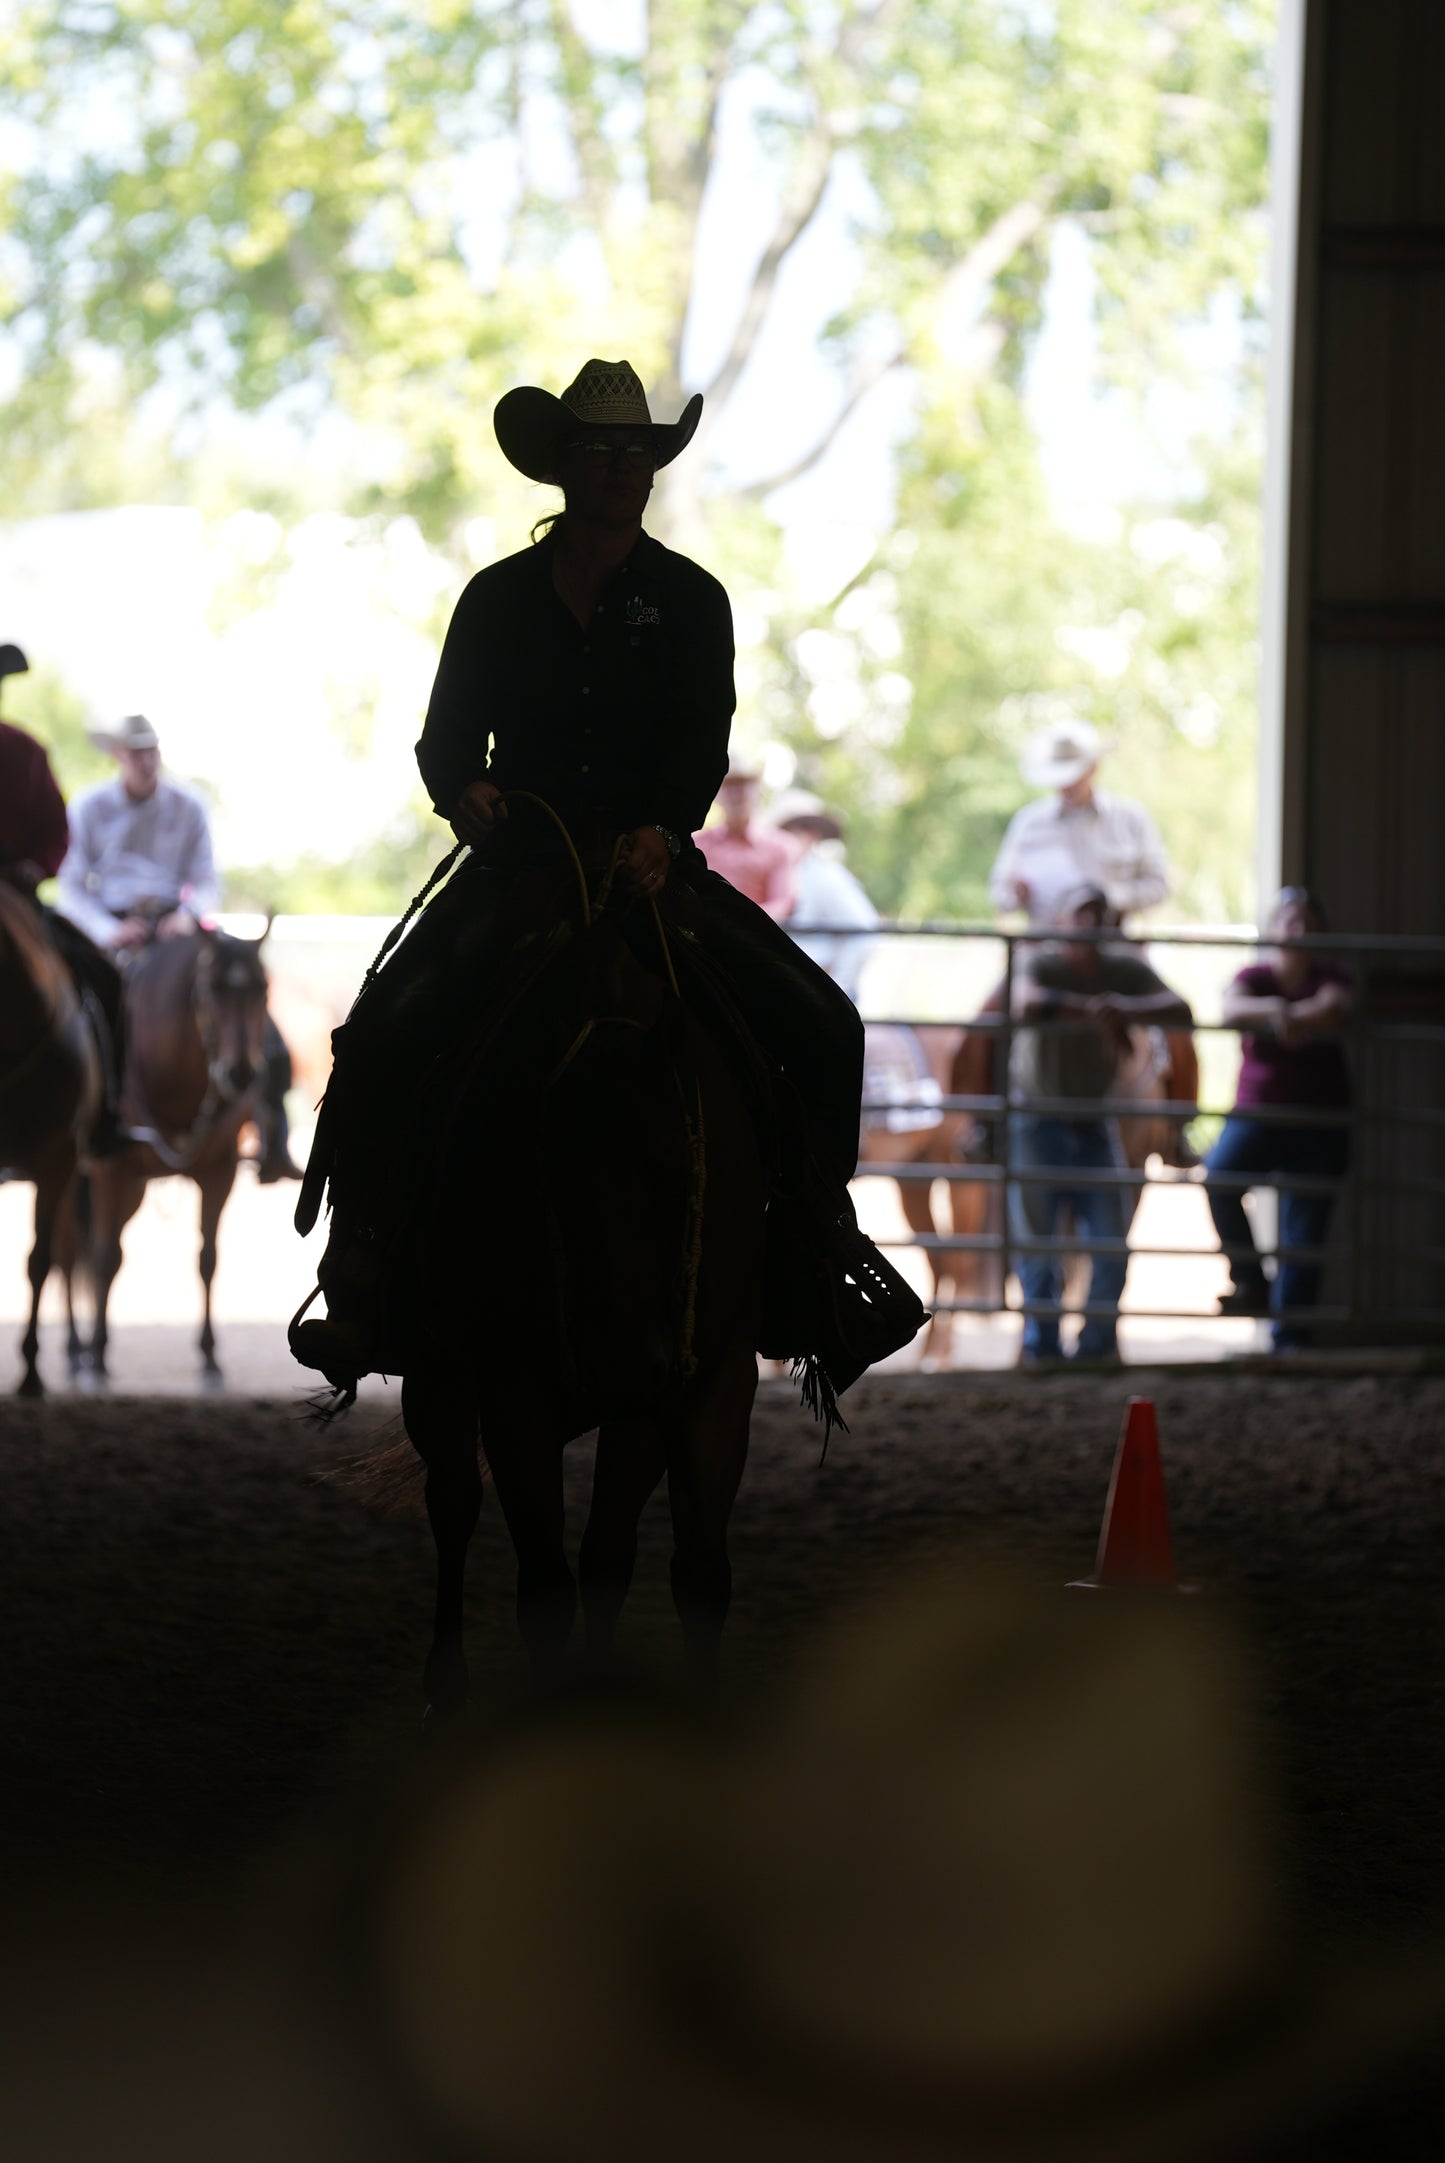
x=674, y=846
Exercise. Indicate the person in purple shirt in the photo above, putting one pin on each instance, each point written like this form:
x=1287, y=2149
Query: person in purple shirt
x=1290, y=1008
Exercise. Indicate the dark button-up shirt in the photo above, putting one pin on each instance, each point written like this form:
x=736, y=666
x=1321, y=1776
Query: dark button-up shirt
x=627, y=717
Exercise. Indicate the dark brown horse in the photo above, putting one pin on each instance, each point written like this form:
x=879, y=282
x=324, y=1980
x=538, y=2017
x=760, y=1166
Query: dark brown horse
x=50, y=1091
x=195, y=1013
x=586, y=1251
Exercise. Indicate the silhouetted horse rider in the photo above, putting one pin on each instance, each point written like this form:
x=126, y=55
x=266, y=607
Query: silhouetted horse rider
x=593, y=670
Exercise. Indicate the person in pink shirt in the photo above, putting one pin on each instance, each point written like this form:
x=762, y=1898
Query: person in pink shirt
x=760, y=861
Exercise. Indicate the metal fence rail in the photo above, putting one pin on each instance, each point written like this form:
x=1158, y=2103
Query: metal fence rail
x=1387, y=1271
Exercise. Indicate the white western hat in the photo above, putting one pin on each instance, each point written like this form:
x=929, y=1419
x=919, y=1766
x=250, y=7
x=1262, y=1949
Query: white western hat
x=134, y=733
x=800, y=807
x=1062, y=753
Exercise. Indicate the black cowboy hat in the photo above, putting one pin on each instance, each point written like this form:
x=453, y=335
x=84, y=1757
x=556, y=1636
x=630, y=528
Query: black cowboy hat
x=12, y=661
x=532, y=425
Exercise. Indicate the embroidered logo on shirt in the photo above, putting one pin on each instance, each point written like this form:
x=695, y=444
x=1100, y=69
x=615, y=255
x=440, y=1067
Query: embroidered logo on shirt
x=640, y=611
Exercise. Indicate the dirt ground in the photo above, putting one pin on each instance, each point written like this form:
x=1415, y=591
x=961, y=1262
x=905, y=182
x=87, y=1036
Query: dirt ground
x=214, y=1648
x=210, y=1642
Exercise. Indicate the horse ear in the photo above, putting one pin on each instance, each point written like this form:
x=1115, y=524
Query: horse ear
x=266, y=933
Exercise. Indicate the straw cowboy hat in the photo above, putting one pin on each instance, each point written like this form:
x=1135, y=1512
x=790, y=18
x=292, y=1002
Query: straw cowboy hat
x=801, y=808
x=992, y=1884
x=532, y=425
x=1062, y=753
x=134, y=733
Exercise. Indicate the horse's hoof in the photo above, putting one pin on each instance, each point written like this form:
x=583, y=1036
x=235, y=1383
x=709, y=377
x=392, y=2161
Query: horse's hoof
x=30, y=1385
x=212, y=1377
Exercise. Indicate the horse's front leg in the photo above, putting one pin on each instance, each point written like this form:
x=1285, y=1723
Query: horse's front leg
x=526, y=1469
x=215, y=1184
x=52, y=1185
x=69, y=1241
x=631, y=1459
x=706, y=1453
x=116, y=1193
x=440, y=1413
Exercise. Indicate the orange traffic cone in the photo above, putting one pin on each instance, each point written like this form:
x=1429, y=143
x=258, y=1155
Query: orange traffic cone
x=1134, y=1545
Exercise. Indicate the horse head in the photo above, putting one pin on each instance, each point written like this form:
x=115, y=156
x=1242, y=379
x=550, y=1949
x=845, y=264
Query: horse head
x=230, y=1002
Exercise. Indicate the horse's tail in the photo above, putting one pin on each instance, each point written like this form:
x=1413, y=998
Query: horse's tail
x=386, y=1475
x=82, y=1227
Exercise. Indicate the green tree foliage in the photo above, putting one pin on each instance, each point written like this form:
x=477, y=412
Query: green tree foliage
x=41, y=702
x=386, y=214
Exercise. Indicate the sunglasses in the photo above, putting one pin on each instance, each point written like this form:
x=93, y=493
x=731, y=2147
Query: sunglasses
x=634, y=455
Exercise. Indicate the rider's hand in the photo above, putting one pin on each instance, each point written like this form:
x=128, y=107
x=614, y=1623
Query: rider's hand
x=476, y=811
x=645, y=870
x=130, y=931
x=176, y=924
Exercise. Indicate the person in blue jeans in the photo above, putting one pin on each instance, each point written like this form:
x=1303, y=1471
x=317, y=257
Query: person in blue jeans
x=1290, y=1007
x=1075, y=1004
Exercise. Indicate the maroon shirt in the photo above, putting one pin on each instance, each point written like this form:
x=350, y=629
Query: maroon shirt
x=32, y=809
x=1275, y=1073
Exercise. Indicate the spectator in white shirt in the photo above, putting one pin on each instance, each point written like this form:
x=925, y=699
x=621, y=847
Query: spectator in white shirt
x=139, y=863
x=1077, y=835
x=827, y=896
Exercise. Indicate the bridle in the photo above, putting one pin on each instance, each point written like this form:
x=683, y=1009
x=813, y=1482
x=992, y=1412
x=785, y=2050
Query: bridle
x=221, y=1094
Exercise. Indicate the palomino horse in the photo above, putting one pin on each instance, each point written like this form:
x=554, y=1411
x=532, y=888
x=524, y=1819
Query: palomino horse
x=196, y=1010
x=909, y=1132
x=50, y=1090
x=585, y=1250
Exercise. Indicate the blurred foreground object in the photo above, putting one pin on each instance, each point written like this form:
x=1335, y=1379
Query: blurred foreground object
x=996, y=1880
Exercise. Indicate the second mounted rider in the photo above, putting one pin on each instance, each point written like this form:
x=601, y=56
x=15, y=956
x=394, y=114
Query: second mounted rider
x=141, y=866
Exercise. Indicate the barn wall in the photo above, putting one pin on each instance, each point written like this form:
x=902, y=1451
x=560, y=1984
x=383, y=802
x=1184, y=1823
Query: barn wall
x=1361, y=750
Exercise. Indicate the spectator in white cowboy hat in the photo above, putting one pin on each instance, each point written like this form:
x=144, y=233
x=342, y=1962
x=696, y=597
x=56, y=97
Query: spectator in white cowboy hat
x=140, y=866
x=1078, y=834
x=828, y=897
x=755, y=858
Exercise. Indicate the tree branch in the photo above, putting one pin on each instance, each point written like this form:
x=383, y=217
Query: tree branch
x=862, y=384
x=968, y=280
x=577, y=85
x=805, y=192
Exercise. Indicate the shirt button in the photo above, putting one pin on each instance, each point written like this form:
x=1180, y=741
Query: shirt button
x=587, y=649
x=586, y=769
x=585, y=689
